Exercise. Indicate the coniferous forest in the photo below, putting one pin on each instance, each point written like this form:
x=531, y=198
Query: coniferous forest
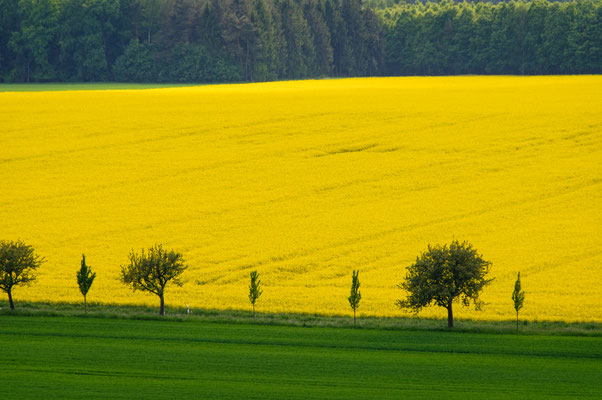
x=262, y=40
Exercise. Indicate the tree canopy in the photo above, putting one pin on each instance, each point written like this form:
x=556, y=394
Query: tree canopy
x=444, y=274
x=18, y=263
x=254, y=289
x=518, y=297
x=509, y=37
x=187, y=40
x=152, y=270
x=355, y=295
x=261, y=40
x=85, y=278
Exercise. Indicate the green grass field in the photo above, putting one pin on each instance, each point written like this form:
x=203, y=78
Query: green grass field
x=52, y=87
x=72, y=357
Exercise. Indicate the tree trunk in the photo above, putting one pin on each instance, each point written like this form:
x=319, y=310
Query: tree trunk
x=10, y=300
x=450, y=316
x=162, y=309
x=85, y=304
x=517, y=321
x=253, y=310
x=354, y=317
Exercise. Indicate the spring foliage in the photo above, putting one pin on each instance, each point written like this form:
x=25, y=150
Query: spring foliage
x=518, y=297
x=261, y=40
x=254, y=289
x=444, y=274
x=18, y=263
x=355, y=295
x=85, y=278
x=506, y=37
x=187, y=40
x=152, y=270
x=301, y=180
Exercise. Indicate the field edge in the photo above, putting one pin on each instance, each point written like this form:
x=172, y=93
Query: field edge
x=403, y=323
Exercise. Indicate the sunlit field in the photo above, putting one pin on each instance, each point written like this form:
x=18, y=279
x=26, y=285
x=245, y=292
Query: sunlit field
x=306, y=181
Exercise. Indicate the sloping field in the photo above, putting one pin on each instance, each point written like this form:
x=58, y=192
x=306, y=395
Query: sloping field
x=64, y=358
x=305, y=181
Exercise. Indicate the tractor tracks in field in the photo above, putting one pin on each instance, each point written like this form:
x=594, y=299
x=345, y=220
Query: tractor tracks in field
x=234, y=273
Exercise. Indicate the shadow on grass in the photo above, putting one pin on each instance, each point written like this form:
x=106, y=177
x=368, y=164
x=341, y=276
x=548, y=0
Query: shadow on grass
x=136, y=312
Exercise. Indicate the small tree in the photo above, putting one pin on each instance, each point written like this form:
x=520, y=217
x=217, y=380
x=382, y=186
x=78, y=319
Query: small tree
x=254, y=289
x=18, y=263
x=355, y=296
x=85, y=277
x=443, y=274
x=151, y=271
x=518, y=298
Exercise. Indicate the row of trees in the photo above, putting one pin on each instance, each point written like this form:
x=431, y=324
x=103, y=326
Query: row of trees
x=261, y=40
x=534, y=37
x=187, y=40
x=440, y=276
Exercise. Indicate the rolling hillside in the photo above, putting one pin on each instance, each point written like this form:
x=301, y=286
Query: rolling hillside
x=305, y=181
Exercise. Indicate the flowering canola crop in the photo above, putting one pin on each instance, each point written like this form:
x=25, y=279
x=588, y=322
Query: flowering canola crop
x=306, y=181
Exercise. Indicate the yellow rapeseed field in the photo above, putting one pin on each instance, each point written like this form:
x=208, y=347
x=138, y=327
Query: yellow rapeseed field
x=306, y=181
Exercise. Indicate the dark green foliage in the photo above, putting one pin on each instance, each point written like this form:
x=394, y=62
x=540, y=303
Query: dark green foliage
x=444, y=274
x=355, y=296
x=300, y=51
x=254, y=289
x=187, y=40
x=516, y=37
x=518, y=298
x=85, y=278
x=136, y=64
x=18, y=263
x=256, y=40
x=151, y=271
x=194, y=63
x=33, y=43
x=9, y=23
x=74, y=358
x=89, y=39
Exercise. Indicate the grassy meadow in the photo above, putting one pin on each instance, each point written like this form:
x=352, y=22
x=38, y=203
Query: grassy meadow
x=70, y=357
x=53, y=87
x=305, y=181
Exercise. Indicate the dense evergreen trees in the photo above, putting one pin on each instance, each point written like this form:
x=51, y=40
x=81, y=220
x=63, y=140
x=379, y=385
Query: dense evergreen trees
x=258, y=40
x=187, y=40
x=536, y=37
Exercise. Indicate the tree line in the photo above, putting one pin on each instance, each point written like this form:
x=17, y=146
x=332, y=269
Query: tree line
x=525, y=37
x=441, y=276
x=187, y=40
x=264, y=40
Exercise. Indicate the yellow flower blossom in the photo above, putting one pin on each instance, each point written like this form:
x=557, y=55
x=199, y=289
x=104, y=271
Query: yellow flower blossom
x=306, y=181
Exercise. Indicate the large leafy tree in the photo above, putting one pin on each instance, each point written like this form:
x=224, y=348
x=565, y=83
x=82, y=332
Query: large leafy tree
x=18, y=263
x=444, y=274
x=152, y=270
